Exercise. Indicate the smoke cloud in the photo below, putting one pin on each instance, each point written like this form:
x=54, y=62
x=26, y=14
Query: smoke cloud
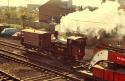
x=91, y=23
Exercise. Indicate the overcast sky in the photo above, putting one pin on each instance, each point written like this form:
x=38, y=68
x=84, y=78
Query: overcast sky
x=24, y=2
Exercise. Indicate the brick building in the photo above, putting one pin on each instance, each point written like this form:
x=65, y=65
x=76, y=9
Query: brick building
x=55, y=9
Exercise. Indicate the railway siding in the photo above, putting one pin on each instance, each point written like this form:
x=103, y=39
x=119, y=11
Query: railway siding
x=51, y=74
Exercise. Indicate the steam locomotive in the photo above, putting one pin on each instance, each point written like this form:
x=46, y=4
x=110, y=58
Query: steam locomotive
x=72, y=48
x=107, y=63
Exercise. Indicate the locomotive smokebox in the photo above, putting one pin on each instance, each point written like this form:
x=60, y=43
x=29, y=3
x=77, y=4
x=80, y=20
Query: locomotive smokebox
x=76, y=47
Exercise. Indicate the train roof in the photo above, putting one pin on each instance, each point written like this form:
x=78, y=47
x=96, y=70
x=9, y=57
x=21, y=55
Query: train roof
x=34, y=31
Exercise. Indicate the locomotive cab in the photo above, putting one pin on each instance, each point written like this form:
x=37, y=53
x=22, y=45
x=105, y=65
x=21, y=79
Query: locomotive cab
x=76, y=47
x=71, y=49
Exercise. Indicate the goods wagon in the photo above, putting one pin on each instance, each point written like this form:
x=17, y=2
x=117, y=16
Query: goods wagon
x=36, y=39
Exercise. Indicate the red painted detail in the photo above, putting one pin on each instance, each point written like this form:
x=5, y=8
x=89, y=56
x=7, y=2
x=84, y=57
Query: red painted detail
x=119, y=76
x=116, y=57
x=108, y=75
x=97, y=72
x=104, y=74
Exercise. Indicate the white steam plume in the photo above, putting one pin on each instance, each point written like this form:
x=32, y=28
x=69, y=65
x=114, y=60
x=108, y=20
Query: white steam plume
x=107, y=17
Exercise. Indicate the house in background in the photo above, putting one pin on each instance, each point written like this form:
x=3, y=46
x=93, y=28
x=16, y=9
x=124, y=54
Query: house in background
x=55, y=9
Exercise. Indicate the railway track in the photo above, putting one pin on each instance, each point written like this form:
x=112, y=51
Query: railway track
x=3, y=41
x=7, y=77
x=66, y=74
x=41, y=54
x=49, y=75
x=45, y=73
